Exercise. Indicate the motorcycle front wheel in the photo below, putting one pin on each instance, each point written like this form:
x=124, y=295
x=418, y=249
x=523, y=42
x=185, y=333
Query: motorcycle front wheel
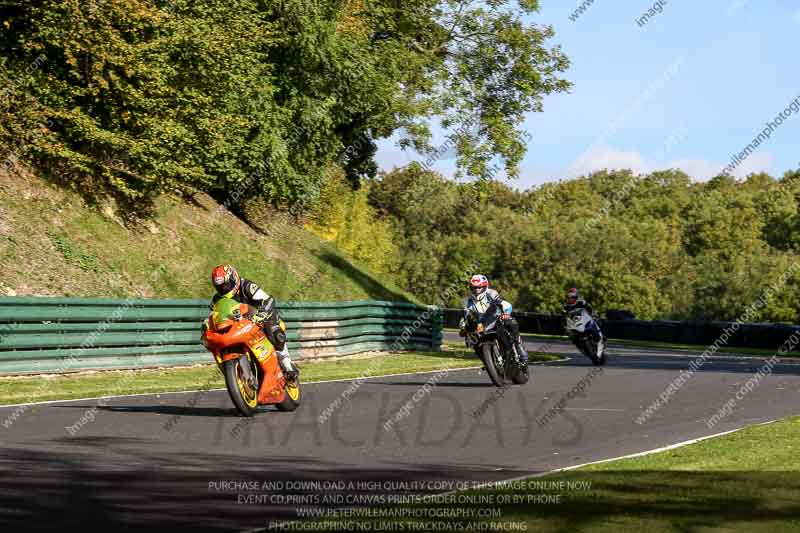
x=601, y=360
x=242, y=393
x=489, y=352
x=591, y=352
x=291, y=399
x=520, y=375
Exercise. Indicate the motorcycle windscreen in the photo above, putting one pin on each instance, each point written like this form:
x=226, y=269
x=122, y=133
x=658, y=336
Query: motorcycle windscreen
x=490, y=315
x=578, y=320
x=225, y=309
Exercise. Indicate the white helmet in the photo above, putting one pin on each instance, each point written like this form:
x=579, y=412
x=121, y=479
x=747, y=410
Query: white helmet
x=478, y=285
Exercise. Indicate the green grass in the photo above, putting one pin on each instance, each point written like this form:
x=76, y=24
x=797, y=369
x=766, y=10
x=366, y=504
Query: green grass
x=698, y=348
x=204, y=377
x=74, y=254
x=745, y=481
x=72, y=249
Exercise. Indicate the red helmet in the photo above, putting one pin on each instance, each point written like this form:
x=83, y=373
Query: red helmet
x=478, y=284
x=572, y=296
x=225, y=280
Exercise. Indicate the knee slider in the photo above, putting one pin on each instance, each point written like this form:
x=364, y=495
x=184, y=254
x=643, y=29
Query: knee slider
x=279, y=334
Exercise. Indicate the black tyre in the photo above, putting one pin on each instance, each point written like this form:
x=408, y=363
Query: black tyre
x=591, y=349
x=242, y=393
x=489, y=353
x=602, y=359
x=291, y=400
x=520, y=375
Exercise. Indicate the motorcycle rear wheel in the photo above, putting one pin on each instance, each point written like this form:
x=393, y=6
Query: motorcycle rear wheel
x=488, y=356
x=242, y=394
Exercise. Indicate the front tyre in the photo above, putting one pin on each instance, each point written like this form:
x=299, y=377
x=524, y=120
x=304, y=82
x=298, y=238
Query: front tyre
x=602, y=358
x=591, y=351
x=291, y=398
x=520, y=375
x=489, y=353
x=242, y=393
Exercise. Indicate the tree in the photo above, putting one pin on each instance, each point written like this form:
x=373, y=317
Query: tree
x=146, y=96
x=476, y=67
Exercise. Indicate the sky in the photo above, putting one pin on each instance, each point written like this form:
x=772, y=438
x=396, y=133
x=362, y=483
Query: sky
x=689, y=89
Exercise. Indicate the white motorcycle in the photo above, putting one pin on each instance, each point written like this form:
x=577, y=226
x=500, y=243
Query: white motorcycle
x=582, y=329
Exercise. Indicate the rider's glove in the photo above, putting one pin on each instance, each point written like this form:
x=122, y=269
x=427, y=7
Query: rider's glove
x=261, y=316
x=505, y=316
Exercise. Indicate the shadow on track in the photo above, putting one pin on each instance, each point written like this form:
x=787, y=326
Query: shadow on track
x=139, y=488
x=732, y=364
x=180, y=410
x=457, y=384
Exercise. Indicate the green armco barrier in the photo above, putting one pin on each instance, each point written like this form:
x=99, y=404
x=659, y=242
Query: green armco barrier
x=52, y=335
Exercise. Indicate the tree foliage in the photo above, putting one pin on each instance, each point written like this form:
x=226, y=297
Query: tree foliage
x=137, y=97
x=661, y=245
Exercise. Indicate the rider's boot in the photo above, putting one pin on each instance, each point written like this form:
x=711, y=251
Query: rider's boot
x=523, y=354
x=289, y=369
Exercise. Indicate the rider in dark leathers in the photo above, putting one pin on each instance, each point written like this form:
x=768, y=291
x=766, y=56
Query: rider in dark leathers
x=228, y=283
x=481, y=299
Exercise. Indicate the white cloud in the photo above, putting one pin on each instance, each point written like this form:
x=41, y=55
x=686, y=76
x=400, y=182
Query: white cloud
x=735, y=7
x=699, y=169
x=390, y=158
x=757, y=162
x=702, y=169
x=600, y=158
x=607, y=157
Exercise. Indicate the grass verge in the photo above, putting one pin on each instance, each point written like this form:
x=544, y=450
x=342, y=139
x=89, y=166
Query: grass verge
x=204, y=377
x=699, y=348
x=82, y=250
x=744, y=481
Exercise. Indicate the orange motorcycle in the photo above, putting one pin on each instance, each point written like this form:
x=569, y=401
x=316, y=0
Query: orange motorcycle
x=247, y=359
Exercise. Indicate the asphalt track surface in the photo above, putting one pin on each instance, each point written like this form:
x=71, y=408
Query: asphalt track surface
x=125, y=466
